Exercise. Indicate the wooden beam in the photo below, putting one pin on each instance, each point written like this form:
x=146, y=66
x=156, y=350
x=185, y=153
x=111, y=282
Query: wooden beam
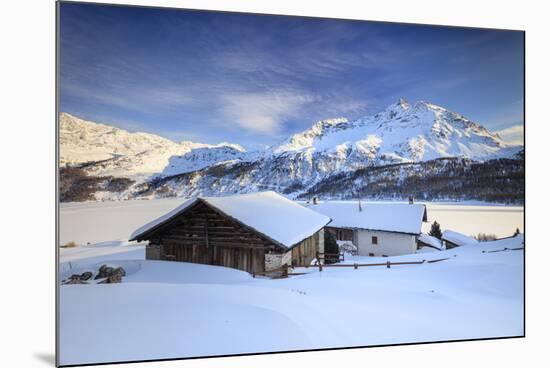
x=206, y=233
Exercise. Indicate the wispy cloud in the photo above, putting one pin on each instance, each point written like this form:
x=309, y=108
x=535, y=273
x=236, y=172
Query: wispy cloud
x=251, y=79
x=513, y=134
x=263, y=112
x=133, y=98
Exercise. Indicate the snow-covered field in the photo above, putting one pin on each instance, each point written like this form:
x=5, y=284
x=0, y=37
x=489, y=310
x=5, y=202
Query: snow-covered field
x=472, y=219
x=171, y=309
x=95, y=222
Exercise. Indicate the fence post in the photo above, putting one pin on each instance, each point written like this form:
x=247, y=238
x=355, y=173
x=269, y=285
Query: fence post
x=388, y=264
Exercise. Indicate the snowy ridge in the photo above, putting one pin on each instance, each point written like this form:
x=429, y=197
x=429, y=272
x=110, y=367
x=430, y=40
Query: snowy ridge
x=85, y=141
x=117, y=152
x=401, y=133
x=202, y=157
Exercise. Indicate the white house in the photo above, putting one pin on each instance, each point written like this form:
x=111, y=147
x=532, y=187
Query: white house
x=377, y=229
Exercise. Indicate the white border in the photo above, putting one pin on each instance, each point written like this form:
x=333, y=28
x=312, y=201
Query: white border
x=27, y=184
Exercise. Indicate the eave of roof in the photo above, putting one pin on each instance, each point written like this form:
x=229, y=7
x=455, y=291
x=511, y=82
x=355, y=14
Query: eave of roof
x=143, y=236
x=140, y=235
x=368, y=229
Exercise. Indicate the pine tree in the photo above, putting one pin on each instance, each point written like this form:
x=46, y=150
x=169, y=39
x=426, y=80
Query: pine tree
x=436, y=230
x=331, y=247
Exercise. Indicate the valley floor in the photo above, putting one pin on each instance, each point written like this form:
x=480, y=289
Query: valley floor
x=171, y=309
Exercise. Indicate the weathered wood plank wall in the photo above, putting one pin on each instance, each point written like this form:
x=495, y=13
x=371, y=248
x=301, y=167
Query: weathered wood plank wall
x=202, y=235
x=306, y=251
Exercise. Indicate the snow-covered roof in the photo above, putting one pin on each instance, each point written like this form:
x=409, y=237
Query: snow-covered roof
x=276, y=217
x=458, y=238
x=431, y=241
x=394, y=217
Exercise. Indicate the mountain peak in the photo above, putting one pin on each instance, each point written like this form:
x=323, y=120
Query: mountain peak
x=403, y=103
x=398, y=108
x=335, y=121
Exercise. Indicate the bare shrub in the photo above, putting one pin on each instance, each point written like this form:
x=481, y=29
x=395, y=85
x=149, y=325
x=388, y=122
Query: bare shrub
x=70, y=244
x=482, y=237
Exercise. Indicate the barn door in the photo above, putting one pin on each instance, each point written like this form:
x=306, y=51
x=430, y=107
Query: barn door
x=246, y=259
x=168, y=252
x=258, y=260
x=183, y=252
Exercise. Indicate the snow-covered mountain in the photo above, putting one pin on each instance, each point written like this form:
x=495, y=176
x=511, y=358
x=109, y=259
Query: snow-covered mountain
x=84, y=141
x=199, y=158
x=330, y=151
x=401, y=133
x=105, y=150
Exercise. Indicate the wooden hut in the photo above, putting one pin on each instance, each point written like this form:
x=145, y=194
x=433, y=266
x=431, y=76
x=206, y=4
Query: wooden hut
x=453, y=239
x=429, y=243
x=252, y=232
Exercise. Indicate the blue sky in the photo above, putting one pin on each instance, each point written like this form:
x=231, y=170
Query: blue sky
x=256, y=79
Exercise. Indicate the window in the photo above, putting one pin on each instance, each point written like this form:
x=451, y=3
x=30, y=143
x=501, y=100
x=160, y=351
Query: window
x=374, y=240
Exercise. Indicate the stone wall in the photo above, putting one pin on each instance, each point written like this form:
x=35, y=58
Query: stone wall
x=322, y=246
x=152, y=252
x=276, y=260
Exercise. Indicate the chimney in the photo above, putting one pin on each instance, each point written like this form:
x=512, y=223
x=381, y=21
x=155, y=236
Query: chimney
x=411, y=199
x=360, y=207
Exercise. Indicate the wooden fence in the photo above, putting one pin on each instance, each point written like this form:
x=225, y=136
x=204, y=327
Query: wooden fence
x=501, y=250
x=283, y=272
x=336, y=257
x=388, y=264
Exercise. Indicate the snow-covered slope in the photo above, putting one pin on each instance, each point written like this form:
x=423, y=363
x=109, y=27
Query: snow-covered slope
x=107, y=150
x=202, y=157
x=475, y=292
x=85, y=141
